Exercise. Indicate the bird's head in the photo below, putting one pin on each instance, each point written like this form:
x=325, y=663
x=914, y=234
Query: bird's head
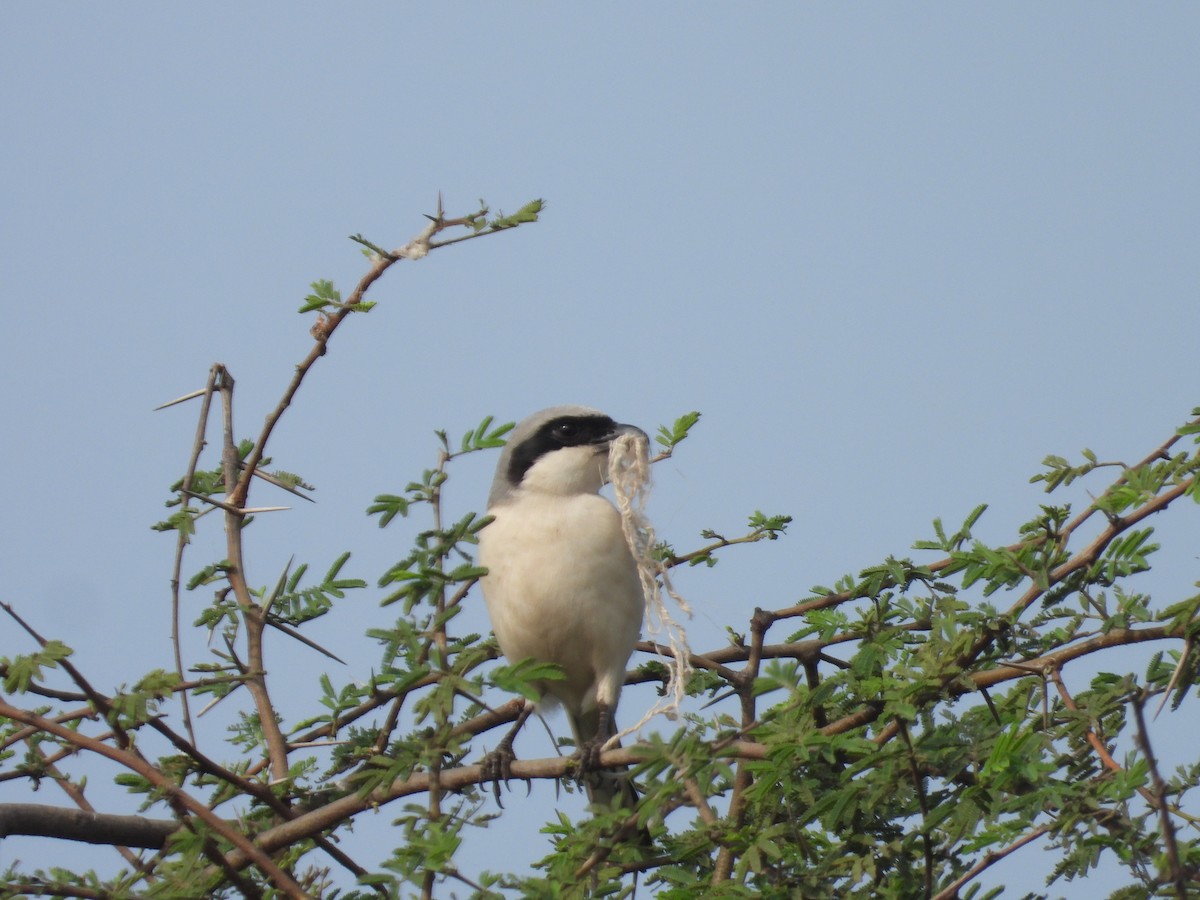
x=562, y=450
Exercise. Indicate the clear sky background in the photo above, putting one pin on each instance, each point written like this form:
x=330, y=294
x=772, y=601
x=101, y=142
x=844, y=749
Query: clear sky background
x=895, y=254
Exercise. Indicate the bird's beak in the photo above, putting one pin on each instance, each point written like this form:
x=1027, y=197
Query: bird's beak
x=622, y=430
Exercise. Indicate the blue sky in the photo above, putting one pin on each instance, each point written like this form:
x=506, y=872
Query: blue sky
x=894, y=254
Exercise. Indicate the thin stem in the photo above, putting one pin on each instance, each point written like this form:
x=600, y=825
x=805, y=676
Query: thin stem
x=1178, y=874
x=990, y=859
x=182, y=541
x=252, y=615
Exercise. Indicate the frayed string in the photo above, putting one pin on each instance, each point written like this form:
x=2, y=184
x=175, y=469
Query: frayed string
x=629, y=472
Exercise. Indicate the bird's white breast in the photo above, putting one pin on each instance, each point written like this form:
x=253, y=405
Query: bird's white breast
x=562, y=587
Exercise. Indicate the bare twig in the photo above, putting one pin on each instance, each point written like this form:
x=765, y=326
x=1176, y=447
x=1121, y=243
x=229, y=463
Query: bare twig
x=990, y=859
x=1179, y=876
x=182, y=537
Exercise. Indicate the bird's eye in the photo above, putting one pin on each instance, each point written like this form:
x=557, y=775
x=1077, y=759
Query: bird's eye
x=566, y=429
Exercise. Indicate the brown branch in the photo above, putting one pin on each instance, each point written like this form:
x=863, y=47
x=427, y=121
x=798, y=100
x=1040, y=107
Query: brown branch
x=252, y=614
x=1159, y=453
x=101, y=703
x=719, y=544
x=85, y=825
x=451, y=780
x=75, y=792
x=1093, y=739
x=742, y=777
x=239, y=474
x=182, y=540
x=990, y=859
x=56, y=890
x=326, y=326
x=22, y=734
x=1178, y=875
x=135, y=763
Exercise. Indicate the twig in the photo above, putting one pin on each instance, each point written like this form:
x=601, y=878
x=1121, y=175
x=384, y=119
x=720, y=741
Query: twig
x=132, y=761
x=922, y=802
x=742, y=778
x=181, y=540
x=1178, y=875
x=990, y=859
x=101, y=703
x=76, y=794
x=253, y=616
x=324, y=329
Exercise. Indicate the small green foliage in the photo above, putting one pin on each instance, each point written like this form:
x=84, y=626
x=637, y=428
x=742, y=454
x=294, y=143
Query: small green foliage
x=420, y=575
x=211, y=573
x=21, y=672
x=387, y=507
x=1192, y=427
x=523, y=216
x=484, y=437
x=324, y=296
x=1061, y=473
x=770, y=527
x=520, y=677
x=183, y=521
x=954, y=542
x=670, y=437
x=291, y=479
x=136, y=706
x=294, y=605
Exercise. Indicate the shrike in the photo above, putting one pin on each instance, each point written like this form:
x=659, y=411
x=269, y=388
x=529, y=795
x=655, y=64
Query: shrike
x=562, y=586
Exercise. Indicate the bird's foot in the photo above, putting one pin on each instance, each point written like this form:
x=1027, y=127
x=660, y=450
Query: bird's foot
x=497, y=767
x=587, y=757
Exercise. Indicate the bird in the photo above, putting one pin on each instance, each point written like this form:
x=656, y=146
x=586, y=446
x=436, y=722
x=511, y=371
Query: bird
x=562, y=586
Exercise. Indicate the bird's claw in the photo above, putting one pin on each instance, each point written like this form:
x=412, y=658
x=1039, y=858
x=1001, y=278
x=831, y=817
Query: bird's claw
x=586, y=761
x=496, y=767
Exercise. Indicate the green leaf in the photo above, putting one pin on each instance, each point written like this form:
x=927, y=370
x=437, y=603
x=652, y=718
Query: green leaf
x=526, y=214
x=387, y=507
x=323, y=295
x=669, y=438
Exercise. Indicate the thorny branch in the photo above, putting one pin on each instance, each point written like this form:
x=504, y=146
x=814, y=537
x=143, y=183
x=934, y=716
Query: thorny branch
x=237, y=476
x=1179, y=876
x=739, y=664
